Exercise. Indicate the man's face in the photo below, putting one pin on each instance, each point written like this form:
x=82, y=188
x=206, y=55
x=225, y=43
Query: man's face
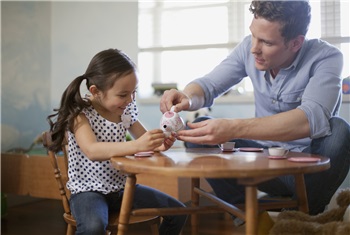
x=269, y=47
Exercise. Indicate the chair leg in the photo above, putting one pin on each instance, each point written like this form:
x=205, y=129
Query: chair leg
x=126, y=206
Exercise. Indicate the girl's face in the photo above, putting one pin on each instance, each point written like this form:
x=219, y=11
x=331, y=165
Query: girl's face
x=122, y=93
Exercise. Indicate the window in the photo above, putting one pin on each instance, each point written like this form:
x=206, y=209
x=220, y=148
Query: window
x=181, y=40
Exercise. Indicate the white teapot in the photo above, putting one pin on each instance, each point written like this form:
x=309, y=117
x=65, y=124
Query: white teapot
x=171, y=122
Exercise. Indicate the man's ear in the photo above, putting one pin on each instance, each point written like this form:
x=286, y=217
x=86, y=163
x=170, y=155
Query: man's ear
x=297, y=43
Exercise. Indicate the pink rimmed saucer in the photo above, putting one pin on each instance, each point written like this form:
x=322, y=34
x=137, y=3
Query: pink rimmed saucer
x=277, y=157
x=251, y=149
x=144, y=154
x=304, y=159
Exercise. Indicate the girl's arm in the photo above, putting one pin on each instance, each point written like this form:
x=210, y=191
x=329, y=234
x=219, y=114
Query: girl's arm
x=100, y=151
x=137, y=130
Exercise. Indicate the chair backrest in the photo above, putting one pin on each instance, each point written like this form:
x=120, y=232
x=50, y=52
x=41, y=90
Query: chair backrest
x=61, y=180
x=152, y=221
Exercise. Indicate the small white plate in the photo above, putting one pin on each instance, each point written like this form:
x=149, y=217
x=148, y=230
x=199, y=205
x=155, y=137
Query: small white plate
x=277, y=157
x=304, y=159
x=251, y=149
x=229, y=150
x=144, y=154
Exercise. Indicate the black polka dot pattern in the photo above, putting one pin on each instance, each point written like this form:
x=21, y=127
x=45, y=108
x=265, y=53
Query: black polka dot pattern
x=86, y=175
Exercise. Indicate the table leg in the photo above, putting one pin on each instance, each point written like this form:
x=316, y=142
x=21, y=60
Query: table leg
x=301, y=193
x=126, y=205
x=251, y=207
x=194, y=203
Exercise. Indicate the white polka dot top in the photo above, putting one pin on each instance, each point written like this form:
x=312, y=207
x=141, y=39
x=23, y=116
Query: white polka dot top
x=86, y=175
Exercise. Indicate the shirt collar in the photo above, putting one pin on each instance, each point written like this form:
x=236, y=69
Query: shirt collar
x=298, y=58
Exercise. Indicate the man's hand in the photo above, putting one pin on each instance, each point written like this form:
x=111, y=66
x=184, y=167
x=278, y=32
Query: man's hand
x=212, y=131
x=175, y=98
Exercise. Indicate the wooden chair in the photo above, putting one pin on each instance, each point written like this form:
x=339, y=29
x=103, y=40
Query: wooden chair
x=152, y=221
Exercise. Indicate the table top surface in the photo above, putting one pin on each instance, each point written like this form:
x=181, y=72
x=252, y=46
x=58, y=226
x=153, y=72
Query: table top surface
x=212, y=162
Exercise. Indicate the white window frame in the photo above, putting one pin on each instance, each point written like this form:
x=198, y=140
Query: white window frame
x=237, y=10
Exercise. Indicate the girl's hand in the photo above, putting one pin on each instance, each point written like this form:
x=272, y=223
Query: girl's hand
x=168, y=142
x=150, y=140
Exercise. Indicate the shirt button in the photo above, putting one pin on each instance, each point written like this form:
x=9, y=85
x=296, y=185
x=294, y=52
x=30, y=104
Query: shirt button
x=273, y=101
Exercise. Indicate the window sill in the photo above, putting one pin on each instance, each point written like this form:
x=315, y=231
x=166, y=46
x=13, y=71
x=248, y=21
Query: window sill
x=226, y=99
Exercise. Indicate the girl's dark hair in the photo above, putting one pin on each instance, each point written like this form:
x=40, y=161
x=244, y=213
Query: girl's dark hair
x=104, y=69
x=294, y=16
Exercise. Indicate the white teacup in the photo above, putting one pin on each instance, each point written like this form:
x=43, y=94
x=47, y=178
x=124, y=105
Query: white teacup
x=278, y=151
x=228, y=146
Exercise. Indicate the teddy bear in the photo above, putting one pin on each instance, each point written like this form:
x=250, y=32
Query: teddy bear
x=329, y=222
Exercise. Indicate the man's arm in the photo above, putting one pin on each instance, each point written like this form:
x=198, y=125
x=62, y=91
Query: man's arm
x=285, y=126
x=195, y=94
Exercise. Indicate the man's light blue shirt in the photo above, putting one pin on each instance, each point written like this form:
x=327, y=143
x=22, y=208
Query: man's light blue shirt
x=311, y=83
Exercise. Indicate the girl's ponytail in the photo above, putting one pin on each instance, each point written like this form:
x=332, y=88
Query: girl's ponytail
x=71, y=105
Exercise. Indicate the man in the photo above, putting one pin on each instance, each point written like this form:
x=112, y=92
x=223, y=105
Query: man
x=297, y=88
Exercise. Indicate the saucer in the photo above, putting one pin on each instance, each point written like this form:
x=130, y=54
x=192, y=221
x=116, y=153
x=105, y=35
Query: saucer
x=304, y=159
x=277, y=157
x=144, y=154
x=251, y=149
x=229, y=150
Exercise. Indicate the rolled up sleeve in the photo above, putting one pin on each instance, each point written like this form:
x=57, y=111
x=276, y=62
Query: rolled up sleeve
x=322, y=96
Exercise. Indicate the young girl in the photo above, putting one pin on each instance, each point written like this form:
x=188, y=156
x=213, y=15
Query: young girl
x=96, y=126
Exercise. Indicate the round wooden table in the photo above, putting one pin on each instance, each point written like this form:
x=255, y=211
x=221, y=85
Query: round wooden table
x=249, y=168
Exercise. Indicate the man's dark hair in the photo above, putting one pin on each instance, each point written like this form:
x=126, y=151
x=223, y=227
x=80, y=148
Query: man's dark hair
x=294, y=16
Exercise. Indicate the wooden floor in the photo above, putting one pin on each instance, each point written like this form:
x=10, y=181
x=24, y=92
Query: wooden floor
x=44, y=216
